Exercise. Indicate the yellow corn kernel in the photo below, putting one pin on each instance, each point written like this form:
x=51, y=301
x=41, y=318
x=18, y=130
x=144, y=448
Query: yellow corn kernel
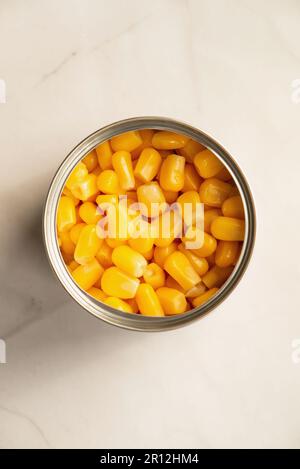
x=216, y=276
x=192, y=180
x=233, y=207
x=97, y=293
x=117, y=303
x=148, y=165
x=171, y=283
x=149, y=194
x=88, y=244
x=214, y=192
x=75, y=232
x=142, y=245
x=149, y=254
x=190, y=150
x=67, y=192
x=164, y=140
x=122, y=165
x=127, y=141
x=66, y=214
x=67, y=245
x=208, y=247
x=133, y=305
x=227, y=253
x=87, y=275
x=207, y=164
x=73, y=265
x=128, y=260
x=97, y=171
x=200, y=300
x=108, y=182
x=209, y=217
x=194, y=210
x=179, y=267
x=161, y=253
x=89, y=213
x=148, y=301
x=197, y=290
x=78, y=175
x=146, y=135
x=104, y=255
x=200, y=264
x=172, y=301
x=91, y=161
x=105, y=201
x=115, y=282
x=86, y=189
x=166, y=228
x=104, y=153
x=116, y=242
x=228, y=229
x=224, y=174
x=171, y=176
x=154, y=275
x=170, y=196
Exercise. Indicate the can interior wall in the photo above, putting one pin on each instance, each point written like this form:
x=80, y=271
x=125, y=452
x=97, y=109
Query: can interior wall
x=105, y=312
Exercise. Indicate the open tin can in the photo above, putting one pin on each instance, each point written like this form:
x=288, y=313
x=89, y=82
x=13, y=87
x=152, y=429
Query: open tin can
x=106, y=313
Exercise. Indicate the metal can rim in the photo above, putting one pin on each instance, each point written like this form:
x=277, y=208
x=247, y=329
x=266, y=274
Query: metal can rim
x=104, y=312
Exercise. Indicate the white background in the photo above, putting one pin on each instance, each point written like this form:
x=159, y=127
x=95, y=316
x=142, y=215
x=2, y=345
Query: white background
x=227, y=67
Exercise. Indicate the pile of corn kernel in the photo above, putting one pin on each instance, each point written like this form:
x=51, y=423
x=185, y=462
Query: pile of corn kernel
x=150, y=276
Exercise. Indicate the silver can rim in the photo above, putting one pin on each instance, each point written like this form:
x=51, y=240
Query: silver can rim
x=105, y=312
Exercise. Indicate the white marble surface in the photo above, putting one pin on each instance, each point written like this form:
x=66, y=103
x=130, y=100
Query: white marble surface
x=228, y=67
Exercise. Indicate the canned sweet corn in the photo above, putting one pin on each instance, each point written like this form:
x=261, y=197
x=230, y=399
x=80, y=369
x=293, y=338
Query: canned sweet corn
x=151, y=281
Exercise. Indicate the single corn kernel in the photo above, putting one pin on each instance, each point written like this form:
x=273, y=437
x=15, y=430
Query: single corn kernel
x=87, y=275
x=197, y=290
x=117, y=303
x=122, y=164
x=209, y=217
x=200, y=264
x=191, y=207
x=104, y=153
x=214, y=192
x=171, y=283
x=164, y=140
x=97, y=293
x=154, y=275
x=146, y=135
x=148, y=165
x=192, y=180
x=115, y=282
x=127, y=141
x=78, y=175
x=86, y=189
x=227, y=253
x=209, y=245
x=142, y=245
x=207, y=164
x=89, y=213
x=91, y=161
x=108, y=182
x=233, y=207
x=170, y=196
x=190, y=150
x=224, y=174
x=148, y=301
x=172, y=301
x=216, y=276
x=88, y=244
x=161, y=253
x=128, y=260
x=133, y=305
x=75, y=232
x=171, y=176
x=166, y=228
x=200, y=300
x=104, y=255
x=67, y=245
x=66, y=214
x=73, y=265
x=149, y=194
x=179, y=267
x=228, y=229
